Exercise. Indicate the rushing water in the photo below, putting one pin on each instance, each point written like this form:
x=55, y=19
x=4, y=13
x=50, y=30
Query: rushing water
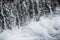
x=48, y=28
x=30, y=20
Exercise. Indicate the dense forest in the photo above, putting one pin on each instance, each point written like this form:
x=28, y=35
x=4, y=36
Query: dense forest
x=19, y=12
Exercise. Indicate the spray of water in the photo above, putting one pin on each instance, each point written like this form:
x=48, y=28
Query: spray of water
x=45, y=29
x=29, y=20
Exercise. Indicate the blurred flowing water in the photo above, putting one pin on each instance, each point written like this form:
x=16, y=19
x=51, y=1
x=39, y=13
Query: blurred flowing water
x=29, y=20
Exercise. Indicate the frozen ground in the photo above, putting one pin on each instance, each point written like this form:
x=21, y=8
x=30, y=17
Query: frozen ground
x=48, y=28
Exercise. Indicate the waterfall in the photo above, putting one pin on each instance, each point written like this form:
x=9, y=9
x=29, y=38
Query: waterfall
x=29, y=20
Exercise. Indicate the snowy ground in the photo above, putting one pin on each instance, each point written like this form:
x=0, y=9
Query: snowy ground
x=48, y=28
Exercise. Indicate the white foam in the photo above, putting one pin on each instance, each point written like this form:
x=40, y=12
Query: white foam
x=44, y=27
